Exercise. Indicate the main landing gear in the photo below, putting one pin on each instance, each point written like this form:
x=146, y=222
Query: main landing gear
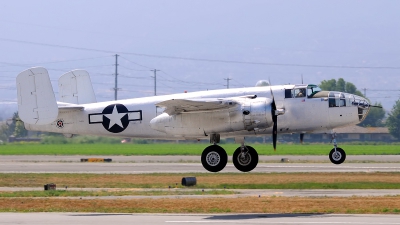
x=214, y=157
x=245, y=158
x=337, y=155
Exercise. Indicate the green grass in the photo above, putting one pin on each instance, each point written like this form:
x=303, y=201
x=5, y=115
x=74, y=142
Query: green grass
x=186, y=149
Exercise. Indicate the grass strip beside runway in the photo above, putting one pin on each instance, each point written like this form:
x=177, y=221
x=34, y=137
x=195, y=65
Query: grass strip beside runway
x=68, y=193
x=377, y=180
x=267, y=204
x=187, y=149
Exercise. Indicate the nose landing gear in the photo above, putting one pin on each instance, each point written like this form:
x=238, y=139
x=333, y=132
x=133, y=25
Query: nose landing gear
x=337, y=155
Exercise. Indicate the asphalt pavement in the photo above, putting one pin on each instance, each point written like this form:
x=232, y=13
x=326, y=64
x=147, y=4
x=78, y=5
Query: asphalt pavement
x=186, y=219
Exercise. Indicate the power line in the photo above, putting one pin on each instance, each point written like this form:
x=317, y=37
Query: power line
x=126, y=76
x=130, y=68
x=196, y=42
x=204, y=59
x=136, y=63
x=57, y=61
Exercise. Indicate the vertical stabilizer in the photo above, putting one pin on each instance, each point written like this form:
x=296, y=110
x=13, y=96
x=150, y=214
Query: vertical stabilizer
x=36, y=101
x=75, y=87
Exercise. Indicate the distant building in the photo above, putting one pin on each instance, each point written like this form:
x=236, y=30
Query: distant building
x=357, y=133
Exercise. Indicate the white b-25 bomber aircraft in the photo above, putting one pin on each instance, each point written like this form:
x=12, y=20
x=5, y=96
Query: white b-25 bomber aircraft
x=213, y=114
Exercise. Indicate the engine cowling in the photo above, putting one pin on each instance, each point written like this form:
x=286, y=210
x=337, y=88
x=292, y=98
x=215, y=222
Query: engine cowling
x=248, y=114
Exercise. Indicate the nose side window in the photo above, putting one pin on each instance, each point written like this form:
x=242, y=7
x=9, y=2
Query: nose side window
x=337, y=100
x=342, y=100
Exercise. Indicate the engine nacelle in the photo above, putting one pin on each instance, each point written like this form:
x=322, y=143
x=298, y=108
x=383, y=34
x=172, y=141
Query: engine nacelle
x=248, y=114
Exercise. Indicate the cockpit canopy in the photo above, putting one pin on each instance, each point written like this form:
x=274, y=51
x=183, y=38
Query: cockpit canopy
x=300, y=91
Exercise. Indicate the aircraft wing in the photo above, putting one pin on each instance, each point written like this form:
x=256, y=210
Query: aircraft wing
x=176, y=106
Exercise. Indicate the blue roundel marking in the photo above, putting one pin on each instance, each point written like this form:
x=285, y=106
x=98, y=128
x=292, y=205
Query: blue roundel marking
x=115, y=118
x=117, y=115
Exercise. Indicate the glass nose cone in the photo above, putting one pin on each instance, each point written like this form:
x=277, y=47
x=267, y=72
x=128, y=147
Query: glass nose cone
x=363, y=106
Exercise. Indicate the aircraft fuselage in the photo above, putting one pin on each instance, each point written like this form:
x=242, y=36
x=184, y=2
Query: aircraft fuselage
x=131, y=117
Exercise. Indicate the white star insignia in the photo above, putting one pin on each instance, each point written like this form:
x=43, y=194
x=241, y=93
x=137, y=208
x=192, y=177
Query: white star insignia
x=115, y=117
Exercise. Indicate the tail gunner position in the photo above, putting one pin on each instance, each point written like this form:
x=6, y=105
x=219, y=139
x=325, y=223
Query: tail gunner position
x=237, y=113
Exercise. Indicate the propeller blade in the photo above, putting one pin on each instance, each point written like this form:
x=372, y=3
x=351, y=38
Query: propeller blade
x=275, y=131
x=301, y=138
x=274, y=118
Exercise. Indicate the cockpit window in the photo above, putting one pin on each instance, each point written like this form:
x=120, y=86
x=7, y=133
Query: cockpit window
x=295, y=93
x=299, y=93
x=312, y=90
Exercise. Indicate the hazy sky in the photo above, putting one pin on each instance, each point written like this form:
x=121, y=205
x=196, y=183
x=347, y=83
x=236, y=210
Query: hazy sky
x=196, y=44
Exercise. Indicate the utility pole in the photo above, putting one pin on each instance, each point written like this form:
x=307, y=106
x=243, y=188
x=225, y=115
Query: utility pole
x=365, y=92
x=116, y=78
x=155, y=81
x=227, y=82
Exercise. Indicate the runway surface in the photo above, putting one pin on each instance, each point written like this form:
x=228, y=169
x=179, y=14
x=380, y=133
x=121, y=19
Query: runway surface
x=142, y=168
x=156, y=219
x=194, y=159
x=185, y=164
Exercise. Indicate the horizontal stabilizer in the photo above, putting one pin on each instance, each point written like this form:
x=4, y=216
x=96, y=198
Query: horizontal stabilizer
x=75, y=87
x=36, y=101
x=175, y=106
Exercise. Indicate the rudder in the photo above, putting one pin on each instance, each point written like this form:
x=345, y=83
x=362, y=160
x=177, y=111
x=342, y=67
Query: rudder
x=75, y=87
x=36, y=101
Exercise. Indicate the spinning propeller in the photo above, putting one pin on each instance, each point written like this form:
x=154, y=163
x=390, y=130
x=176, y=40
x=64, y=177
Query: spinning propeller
x=274, y=118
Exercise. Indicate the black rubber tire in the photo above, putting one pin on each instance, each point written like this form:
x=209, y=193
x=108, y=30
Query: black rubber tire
x=339, y=157
x=214, y=158
x=248, y=163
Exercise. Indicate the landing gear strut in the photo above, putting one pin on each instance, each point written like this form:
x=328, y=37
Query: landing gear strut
x=337, y=155
x=245, y=158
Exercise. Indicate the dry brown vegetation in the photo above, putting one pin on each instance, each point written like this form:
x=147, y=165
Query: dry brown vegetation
x=164, y=180
x=208, y=205
x=264, y=204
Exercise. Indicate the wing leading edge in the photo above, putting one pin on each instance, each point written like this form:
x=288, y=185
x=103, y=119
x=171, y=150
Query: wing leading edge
x=176, y=106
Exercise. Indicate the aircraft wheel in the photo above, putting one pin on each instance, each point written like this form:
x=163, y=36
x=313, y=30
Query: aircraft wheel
x=214, y=158
x=245, y=161
x=338, y=157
